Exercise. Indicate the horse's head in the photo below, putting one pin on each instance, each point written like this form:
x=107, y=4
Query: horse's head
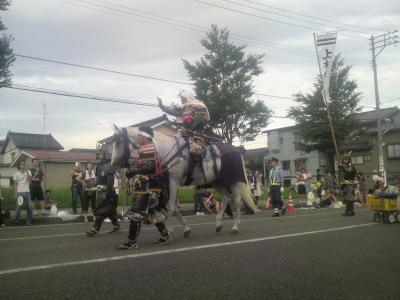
x=123, y=146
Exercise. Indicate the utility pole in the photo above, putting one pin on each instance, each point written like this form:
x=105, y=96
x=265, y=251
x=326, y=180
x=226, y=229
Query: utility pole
x=44, y=126
x=379, y=43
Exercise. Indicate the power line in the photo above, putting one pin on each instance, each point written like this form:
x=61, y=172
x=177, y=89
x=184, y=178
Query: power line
x=266, y=18
x=76, y=95
x=190, y=26
x=124, y=73
x=273, y=96
x=100, y=69
x=292, y=17
x=194, y=27
x=391, y=100
x=314, y=17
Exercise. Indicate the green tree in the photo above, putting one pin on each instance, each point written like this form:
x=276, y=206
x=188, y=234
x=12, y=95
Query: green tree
x=311, y=114
x=6, y=53
x=223, y=79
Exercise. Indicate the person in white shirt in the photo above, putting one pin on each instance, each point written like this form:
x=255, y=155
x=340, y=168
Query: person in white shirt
x=21, y=188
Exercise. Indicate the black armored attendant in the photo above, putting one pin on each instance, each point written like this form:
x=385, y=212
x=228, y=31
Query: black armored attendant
x=149, y=192
x=108, y=198
x=348, y=175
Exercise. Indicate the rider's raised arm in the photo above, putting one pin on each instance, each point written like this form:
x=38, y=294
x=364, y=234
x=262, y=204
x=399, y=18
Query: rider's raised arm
x=172, y=110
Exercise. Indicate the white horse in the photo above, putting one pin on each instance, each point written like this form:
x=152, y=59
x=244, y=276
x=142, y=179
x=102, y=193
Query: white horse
x=224, y=170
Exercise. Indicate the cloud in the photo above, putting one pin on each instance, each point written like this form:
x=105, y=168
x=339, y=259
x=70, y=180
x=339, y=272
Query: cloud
x=79, y=33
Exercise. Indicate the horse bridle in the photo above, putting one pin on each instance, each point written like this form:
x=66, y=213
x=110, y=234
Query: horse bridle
x=126, y=154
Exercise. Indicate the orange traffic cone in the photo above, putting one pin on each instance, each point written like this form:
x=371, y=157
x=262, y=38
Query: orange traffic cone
x=291, y=208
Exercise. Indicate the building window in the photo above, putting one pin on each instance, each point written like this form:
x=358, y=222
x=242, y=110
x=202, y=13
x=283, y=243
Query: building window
x=12, y=156
x=286, y=165
x=357, y=160
x=297, y=142
x=393, y=151
x=281, y=140
x=300, y=163
x=287, y=182
x=367, y=157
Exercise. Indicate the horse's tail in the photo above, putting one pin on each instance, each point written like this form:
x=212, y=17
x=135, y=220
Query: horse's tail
x=246, y=193
x=247, y=197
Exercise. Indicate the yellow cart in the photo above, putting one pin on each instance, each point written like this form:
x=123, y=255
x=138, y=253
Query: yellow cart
x=386, y=207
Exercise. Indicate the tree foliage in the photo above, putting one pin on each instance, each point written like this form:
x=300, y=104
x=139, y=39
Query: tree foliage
x=311, y=114
x=223, y=79
x=6, y=53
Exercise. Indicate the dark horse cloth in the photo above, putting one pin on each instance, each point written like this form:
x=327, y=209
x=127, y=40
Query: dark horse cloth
x=232, y=169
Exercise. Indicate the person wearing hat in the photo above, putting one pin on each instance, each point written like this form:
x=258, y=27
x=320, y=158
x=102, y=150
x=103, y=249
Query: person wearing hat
x=149, y=189
x=276, y=187
x=194, y=115
x=348, y=174
x=107, y=198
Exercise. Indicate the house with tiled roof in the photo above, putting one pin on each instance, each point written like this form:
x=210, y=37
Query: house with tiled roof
x=55, y=163
x=364, y=146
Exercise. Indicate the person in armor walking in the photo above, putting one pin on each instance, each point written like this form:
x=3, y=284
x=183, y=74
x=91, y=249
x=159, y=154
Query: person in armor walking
x=149, y=192
x=194, y=115
x=276, y=187
x=348, y=182
x=108, y=199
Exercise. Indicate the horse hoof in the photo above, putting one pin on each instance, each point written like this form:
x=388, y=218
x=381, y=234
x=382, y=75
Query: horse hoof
x=235, y=231
x=218, y=228
x=186, y=233
x=257, y=210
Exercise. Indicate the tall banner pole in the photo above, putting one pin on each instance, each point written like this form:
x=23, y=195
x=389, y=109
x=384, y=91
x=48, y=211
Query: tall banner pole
x=325, y=49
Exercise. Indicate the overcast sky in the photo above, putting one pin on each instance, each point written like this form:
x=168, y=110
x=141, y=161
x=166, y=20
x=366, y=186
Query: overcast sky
x=149, y=37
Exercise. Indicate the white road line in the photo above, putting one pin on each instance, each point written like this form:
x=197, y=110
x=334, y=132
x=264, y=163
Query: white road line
x=190, y=216
x=170, y=251
x=151, y=228
x=178, y=225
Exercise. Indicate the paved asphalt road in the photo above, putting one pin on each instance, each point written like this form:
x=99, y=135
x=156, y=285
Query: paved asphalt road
x=308, y=255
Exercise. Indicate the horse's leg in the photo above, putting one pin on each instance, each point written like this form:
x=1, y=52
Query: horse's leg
x=236, y=196
x=225, y=200
x=172, y=208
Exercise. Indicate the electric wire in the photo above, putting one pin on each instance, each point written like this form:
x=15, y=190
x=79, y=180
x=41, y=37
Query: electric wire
x=314, y=17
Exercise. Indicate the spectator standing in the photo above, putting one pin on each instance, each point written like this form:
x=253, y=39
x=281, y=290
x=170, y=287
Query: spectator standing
x=329, y=182
x=35, y=186
x=319, y=184
x=90, y=193
x=362, y=189
x=301, y=184
x=21, y=188
x=77, y=186
x=1, y=213
x=258, y=184
x=276, y=186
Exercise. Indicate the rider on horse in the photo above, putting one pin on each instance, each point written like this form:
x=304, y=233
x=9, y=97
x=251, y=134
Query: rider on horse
x=194, y=115
x=149, y=192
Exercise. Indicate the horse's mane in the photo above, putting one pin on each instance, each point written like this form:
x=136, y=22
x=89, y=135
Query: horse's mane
x=162, y=140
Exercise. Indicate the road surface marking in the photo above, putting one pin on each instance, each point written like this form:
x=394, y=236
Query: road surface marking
x=178, y=250
x=152, y=228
